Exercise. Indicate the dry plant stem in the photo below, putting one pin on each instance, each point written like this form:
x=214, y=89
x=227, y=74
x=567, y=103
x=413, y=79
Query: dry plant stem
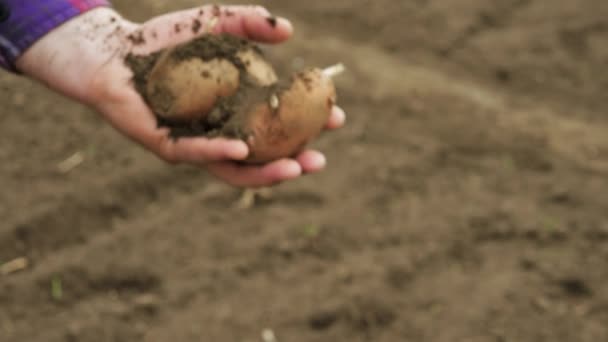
x=249, y=196
x=334, y=70
x=13, y=266
x=71, y=163
x=269, y=336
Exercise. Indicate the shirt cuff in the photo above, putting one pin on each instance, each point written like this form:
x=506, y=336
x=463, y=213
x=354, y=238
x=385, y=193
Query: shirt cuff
x=23, y=22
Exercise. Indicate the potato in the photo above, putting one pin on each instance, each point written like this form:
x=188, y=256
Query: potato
x=277, y=129
x=188, y=89
x=222, y=86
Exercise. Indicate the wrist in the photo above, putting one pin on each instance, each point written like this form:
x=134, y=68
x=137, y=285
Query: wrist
x=23, y=22
x=68, y=58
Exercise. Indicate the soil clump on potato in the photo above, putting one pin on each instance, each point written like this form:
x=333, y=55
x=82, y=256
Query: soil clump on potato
x=223, y=119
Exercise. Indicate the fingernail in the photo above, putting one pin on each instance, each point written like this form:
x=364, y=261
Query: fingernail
x=285, y=24
x=314, y=163
x=321, y=161
x=291, y=170
x=281, y=22
x=338, y=118
x=238, y=151
x=341, y=117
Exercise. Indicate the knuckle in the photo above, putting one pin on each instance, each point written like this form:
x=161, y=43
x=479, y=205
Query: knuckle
x=166, y=153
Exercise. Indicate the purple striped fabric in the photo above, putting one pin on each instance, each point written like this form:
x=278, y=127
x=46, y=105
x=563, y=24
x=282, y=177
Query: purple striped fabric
x=30, y=20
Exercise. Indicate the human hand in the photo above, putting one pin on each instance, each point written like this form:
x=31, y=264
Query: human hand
x=84, y=59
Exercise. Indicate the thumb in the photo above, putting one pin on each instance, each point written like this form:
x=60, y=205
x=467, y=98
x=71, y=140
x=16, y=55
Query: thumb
x=250, y=22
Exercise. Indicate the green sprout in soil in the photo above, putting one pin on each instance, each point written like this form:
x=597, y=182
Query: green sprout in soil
x=508, y=163
x=56, y=288
x=312, y=230
x=551, y=224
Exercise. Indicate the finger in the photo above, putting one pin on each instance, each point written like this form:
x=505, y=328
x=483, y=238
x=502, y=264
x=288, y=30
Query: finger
x=202, y=150
x=311, y=161
x=251, y=22
x=130, y=115
x=337, y=119
x=256, y=176
x=256, y=23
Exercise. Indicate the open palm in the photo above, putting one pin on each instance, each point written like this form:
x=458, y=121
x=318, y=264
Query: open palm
x=101, y=79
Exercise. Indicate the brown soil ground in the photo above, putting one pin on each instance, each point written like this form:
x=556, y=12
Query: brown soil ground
x=466, y=200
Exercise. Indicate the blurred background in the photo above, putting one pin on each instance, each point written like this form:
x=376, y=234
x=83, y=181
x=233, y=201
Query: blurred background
x=466, y=200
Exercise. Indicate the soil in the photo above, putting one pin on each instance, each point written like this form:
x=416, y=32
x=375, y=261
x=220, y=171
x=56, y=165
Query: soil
x=466, y=199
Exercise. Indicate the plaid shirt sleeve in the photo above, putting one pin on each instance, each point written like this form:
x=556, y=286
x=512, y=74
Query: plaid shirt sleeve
x=23, y=22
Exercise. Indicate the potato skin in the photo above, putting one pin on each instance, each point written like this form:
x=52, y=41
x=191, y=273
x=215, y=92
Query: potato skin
x=187, y=90
x=259, y=71
x=304, y=109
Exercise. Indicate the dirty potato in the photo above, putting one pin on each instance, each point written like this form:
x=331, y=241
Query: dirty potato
x=220, y=85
